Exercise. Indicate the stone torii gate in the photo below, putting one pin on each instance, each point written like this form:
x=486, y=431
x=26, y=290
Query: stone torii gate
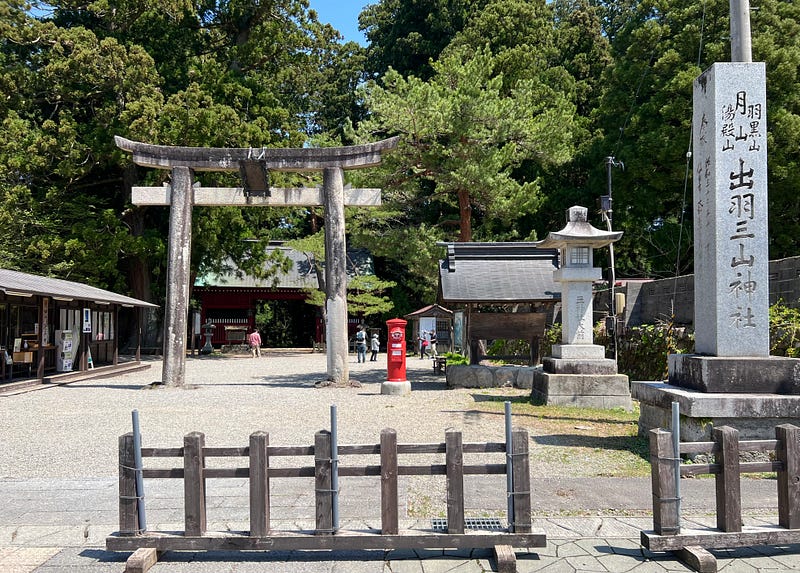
x=254, y=165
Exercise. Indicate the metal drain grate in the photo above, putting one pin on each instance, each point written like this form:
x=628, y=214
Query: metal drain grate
x=482, y=523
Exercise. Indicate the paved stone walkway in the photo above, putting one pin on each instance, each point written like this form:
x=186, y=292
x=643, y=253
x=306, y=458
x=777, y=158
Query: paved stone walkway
x=58, y=476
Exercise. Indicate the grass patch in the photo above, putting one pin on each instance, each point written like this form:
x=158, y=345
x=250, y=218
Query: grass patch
x=577, y=442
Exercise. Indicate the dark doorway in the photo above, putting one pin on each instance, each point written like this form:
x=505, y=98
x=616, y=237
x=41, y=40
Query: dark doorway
x=286, y=323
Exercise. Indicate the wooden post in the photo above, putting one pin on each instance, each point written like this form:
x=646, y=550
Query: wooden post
x=662, y=473
x=259, y=484
x=454, y=460
x=788, y=437
x=506, y=559
x=335, y=275
x=142, y=560
x=179, y=250
x=322, y=482
x=115, y=334
x=41, y=339
x=194, y=484
x=139, y=312
x=522, y=481
x=729, y=495
x=389, y=495
x=128, y=516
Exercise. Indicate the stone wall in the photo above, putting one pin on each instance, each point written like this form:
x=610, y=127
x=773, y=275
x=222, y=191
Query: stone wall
x=477, y=376
x=655, y=301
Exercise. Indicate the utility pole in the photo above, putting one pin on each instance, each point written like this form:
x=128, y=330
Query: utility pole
x=741, y=42
x=606, y=206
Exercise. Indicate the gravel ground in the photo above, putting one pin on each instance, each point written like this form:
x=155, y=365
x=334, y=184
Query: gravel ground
x=72, y=430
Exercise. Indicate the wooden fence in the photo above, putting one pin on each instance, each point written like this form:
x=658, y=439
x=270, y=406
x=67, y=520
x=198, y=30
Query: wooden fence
x=691, y=545
x=261, y=536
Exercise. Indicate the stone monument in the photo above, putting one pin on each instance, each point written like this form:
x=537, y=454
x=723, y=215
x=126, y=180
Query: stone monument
x=731, y=379
x=578, y=372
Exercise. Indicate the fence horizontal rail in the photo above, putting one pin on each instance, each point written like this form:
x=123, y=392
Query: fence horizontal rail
x=344, y=471
x=364, y=449
x=744, y=467
x=714, y=447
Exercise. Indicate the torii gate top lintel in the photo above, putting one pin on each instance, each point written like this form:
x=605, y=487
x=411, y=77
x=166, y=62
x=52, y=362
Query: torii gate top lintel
x=272, y=158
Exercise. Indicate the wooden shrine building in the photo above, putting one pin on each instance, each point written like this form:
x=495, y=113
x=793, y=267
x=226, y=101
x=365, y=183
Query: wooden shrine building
x=478, y=280
x=231, y=301
x=52, y=328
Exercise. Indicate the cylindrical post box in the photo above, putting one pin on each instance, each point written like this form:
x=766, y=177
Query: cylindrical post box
x=396, y=350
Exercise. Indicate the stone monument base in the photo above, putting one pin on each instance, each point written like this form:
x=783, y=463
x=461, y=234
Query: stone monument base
x=760, y=375
x=604, y=391
x=754, y=415
x=396, y=388
x=553, y=365
x=578, y=351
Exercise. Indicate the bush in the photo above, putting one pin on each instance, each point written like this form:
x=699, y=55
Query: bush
x=454, y=358
x=784, y=330
x=643, y=351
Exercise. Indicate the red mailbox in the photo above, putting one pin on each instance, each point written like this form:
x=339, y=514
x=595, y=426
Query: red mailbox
x=396, y=350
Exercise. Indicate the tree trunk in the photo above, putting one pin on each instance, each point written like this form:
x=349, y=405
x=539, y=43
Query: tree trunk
x=465, y=216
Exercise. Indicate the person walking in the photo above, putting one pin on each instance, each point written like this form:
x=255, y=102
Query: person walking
x=361, y=344
x=254, y=340
x=375, y=346
x=434, y=353
x=423, y=345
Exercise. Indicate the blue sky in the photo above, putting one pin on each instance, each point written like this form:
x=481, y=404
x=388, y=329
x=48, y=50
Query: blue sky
x=342, y=15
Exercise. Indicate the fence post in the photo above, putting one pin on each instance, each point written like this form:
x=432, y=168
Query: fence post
x=662, y=474
x=128, y=518
x=729, y=495
x=194, y=484
x=322, y=482
x=788, y=452
x=389, y=497
x=259, y=484
x=522, y=481
x=454, y=460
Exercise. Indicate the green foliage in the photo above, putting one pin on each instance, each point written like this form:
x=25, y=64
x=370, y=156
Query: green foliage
x=551, y=336
x=645, y=112
x=408, y=36
x=643, y=351
x=454, y=358
x=516, y=347
x=784, y=330
x=364, y=292
x=365, y=295
x=232, y=74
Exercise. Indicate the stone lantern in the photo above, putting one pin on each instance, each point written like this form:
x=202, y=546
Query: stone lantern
x=578, y=373
x=208, y=332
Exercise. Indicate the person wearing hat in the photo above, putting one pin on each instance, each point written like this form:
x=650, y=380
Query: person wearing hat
x=361, y=344
x=375, y=346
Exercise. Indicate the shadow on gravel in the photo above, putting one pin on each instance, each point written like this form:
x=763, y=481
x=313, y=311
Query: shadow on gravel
x=634, y=444
x=103, y=556
x=83, y=386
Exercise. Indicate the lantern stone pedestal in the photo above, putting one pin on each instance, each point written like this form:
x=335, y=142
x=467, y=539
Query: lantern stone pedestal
x=578, y=372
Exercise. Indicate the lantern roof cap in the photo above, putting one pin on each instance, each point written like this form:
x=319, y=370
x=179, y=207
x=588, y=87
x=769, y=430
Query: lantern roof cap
x=579, y=232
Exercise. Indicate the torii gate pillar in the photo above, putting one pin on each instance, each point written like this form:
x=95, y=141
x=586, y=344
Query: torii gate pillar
x=179, y=259
x=335, y=275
